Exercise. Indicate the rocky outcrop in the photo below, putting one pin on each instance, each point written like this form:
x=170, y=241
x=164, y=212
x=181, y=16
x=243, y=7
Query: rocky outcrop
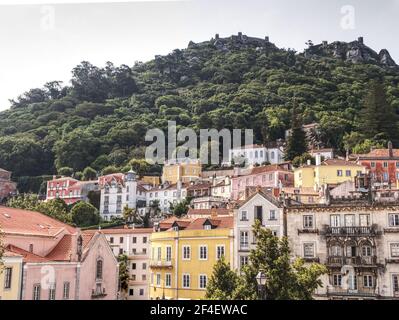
x=354, y=52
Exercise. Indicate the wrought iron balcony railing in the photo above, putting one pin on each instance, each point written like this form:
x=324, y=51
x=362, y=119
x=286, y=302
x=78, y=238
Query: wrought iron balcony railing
x=350, y=231
x=361, y=292
x=356, y=261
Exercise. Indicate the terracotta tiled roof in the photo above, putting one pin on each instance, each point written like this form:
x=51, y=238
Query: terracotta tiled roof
x=377, y=153
x=107, y=179
x=63, y=250
x=122, y=231
x=302, y=190
x=270, y=168
x=19, y=221
x=219, y=211
x=219, y=223
x=8, y=253
x=203, y=185
x=28, y=256
x=339, y=162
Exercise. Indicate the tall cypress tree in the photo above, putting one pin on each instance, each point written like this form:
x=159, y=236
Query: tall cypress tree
x=296, y=142
x=377, y=119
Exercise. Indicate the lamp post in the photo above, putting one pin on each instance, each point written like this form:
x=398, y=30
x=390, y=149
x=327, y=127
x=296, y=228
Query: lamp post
x=261, y=279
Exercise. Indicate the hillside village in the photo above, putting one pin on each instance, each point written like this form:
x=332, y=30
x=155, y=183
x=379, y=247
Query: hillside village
x=337, y=212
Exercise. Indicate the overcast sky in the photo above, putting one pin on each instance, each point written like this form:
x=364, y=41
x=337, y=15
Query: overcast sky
x=42, y=42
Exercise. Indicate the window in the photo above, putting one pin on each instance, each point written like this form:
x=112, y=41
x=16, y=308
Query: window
x=395, y=284
x=334, y=220
x=339, y=173
x=99, y=269
x=337, y=280
x=203, y=252
x=244, y=239
x=219, y=251
x=394, y=220
x=144, y=277
x=272, y=215
x=308, y=250
x=348, y=173
x=385, y=164
x=7, y=278
x=141, y=292
x=366, y=251
x=51, y=292
x=243, y=261
x=186, y=252
x=368, y=281
x=159, y=253
x=111, y=240
x=259, y=213
x=168, y=253
x=134, y=239
x=134, y=277
x=336, y=251
x=207, y=227
x=158, y=283
x=168, y=280
x=349, y=220
x=144, y=266
x=65, y=291
x=186, y=281
x=385, y=176
x=144, y=251
x=307, y=222
x=364, y=220
x=372, y=164
x=36, y=292
x=133, y=266
x=131, y=292
x=395, y=250
x=202, y=281
x=144, y=239
x=244, y=216
x=120, y=250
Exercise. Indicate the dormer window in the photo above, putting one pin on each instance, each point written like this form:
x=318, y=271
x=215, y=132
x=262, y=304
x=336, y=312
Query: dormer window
x=207, y=227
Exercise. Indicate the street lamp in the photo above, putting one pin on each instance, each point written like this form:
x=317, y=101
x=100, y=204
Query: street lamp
x=261, y=279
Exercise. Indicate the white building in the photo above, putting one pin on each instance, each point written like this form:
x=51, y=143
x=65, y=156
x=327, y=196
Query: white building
x=166, y=195
x=119, y=190
x=260, y=205
x=135, y=243
x=256, y=154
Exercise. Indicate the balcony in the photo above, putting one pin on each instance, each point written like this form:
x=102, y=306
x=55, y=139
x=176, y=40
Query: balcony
x=244, y=246
x=367, y=261
x=96, y=294
x=361, y=293
x=350, y=231
x=161, y=264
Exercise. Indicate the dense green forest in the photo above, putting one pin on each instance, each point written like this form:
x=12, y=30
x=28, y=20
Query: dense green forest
x=100, y=118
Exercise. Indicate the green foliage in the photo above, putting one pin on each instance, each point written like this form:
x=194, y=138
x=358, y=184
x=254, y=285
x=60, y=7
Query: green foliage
x=223, y=282
x=55, y=208
x=84, y=214
x=89, y=174
x=296, y=142
x=65, y=171
x=101, y=119
x=285, y=280
x=181, y=208
x=123, y=272
x=109, y=170
x=302, y=159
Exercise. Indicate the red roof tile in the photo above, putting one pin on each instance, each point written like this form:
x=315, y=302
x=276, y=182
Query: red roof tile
x=63, y=250
x=19, y=221
x=219, y=211
x=28, y=256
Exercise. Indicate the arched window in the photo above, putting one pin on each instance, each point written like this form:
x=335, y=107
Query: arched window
x=99, y=269
x=366, y=249
x=272, y=155
x=336, y=250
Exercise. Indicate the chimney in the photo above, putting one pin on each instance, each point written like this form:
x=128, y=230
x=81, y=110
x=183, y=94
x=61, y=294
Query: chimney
x=390, y=150
x=318, y=159
x=360, y=40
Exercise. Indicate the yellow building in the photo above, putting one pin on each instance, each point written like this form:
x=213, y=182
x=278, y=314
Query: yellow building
x=183, y=257
x=331, y=171
x=154, y=180
x=10, y=276
x=184, y=171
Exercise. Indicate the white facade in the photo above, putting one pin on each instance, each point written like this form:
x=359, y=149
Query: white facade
x=166, y=195
x=358, y=243
x=117, y=191
x=256, y=154
x=258, y=206
x=135, y=243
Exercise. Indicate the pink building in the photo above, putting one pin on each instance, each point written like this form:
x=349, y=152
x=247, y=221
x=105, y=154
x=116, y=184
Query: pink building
x=272, y=176
x=59, y=262
x=70, y=189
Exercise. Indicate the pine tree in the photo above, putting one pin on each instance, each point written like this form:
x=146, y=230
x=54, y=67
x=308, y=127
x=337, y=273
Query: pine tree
x=377, y=120
x=222, y=283
x=296, y=142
